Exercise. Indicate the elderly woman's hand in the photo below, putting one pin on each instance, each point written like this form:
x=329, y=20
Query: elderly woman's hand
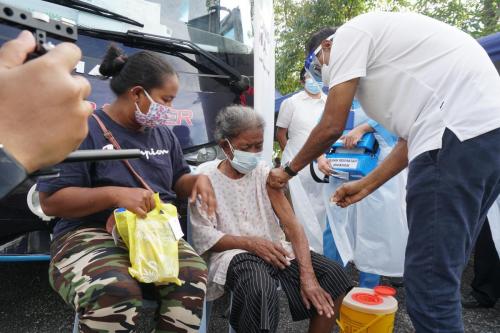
x=312, y=293
x=270, y=252
x=203, y=190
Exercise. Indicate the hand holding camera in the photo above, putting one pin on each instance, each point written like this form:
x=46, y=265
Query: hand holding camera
x=43, y=110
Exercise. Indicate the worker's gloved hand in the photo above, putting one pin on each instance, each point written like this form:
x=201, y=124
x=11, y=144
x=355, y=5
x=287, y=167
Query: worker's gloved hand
x=324, y=165
x=43, y=108
x=352, y=138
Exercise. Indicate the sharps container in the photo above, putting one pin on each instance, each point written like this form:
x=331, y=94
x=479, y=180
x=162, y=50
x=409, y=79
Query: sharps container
x=368, y=310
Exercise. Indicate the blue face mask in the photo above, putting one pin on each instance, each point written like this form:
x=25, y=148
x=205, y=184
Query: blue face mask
x=313, y=87
x=244, y=162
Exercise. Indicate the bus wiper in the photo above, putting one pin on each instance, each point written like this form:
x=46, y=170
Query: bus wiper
x=172, y=46
x=96, y=10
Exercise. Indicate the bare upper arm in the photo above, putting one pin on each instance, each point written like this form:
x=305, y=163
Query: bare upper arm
x=281, y=205
x=281, y=130
x=48, y=200
x=45, y=196
x=338, y=104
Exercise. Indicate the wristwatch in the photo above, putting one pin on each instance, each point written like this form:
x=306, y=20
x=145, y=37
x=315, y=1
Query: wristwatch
x=289, y=170
x=12, y=173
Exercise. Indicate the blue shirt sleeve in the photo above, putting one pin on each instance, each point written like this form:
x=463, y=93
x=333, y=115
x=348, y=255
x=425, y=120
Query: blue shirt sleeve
x=70, y=174
x=179, y=164
x=373, y=124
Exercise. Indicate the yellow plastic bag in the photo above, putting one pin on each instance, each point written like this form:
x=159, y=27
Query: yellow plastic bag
x=153, y=247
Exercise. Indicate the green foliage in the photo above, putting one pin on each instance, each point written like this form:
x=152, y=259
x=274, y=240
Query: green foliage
x=478, y=18
x=296, y=20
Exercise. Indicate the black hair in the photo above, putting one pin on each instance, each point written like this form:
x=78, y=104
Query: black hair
x=302, y=74
x=317, y=37
x=145, y=69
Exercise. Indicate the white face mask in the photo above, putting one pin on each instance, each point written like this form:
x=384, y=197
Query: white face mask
x=312, y=86
x=243, y=162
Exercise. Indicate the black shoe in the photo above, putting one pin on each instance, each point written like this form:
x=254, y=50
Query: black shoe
x=470, y=302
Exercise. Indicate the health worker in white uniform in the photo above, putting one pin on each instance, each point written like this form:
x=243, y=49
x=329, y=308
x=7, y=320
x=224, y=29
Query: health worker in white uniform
x=371, y=233
x=297, y=117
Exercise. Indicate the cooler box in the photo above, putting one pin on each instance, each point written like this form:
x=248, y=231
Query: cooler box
x=352, y=164
x=349, y=124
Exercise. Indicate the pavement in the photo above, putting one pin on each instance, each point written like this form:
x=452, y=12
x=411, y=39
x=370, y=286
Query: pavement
x=28, y=305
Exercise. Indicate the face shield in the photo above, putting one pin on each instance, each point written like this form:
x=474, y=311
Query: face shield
x=312, y=64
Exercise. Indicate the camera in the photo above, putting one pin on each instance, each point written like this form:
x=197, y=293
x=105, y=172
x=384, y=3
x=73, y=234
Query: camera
x=41, y=25
x=64, y=30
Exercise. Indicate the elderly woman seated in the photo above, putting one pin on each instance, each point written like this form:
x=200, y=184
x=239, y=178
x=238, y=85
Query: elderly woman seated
x=244, y=243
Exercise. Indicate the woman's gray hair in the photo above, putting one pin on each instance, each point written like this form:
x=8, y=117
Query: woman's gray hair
x=234, y=119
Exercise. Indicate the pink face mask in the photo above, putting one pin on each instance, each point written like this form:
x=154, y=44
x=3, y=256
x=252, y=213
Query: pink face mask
x=158, y=114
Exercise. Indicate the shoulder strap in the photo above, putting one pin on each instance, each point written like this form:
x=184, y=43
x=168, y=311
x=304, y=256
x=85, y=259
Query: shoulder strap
x=109, y=136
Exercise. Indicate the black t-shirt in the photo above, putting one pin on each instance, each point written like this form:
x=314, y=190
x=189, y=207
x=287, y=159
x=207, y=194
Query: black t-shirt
x=161, y=165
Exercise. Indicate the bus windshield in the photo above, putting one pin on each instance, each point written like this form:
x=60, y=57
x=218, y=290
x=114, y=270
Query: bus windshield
x=223, y=26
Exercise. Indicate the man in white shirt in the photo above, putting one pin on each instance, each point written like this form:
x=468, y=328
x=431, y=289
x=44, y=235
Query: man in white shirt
x=435, y=87
x=298, y=115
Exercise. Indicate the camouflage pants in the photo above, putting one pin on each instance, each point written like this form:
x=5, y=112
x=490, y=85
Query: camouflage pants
x=91, y=274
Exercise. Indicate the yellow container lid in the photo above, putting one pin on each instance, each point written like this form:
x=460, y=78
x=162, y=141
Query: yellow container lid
x=365, y=300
